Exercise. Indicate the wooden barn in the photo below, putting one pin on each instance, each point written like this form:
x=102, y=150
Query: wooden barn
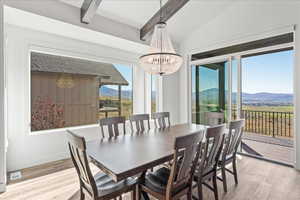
x=65, y=90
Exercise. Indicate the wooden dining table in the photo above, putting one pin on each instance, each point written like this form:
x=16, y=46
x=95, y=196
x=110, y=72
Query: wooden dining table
x=134, y=153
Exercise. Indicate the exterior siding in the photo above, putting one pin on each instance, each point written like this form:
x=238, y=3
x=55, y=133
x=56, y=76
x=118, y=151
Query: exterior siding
x=79, y=103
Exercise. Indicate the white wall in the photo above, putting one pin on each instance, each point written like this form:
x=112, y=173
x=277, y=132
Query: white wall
x=2, y=102
x=25, y=150
x=240, y=23
x=170, y=96
x=55, y=26
x=62, y=12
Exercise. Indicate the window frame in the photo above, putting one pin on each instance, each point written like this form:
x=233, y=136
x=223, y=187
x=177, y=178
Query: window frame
x=148, y=93
x=94, y=58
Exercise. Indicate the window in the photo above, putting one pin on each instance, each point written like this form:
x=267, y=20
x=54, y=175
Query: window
x=267, y=105
x=209, y=91
x=69, y=92
x=116, y=100
x=153, y=93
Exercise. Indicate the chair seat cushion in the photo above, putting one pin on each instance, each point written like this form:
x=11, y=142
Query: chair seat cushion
x=158, y=180
x=106, y=185
x=227, y=158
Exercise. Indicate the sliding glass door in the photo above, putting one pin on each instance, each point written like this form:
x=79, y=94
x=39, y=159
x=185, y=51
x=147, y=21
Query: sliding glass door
x=267, y=105
x=257, y=87
x=209, y=91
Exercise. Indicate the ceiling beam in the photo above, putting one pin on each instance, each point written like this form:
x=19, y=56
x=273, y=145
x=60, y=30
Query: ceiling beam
x=66, y=13
x=88, y=10
x=167, y=11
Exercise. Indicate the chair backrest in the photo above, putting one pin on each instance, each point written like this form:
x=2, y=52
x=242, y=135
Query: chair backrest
x=186, y=155
x=112, y=124
x=212, y=148
x=160, y=119
x=77, y=147
x=139, y=120
x=214, y=118
x=234, y=137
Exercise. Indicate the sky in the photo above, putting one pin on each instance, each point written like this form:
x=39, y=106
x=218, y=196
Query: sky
x=268, y=73
x=272, y=73
x=126, y=72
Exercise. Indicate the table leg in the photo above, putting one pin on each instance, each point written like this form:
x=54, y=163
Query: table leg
x=144, y=195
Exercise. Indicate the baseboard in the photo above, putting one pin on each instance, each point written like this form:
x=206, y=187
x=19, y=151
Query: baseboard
x=42, y=160
x=2, y=187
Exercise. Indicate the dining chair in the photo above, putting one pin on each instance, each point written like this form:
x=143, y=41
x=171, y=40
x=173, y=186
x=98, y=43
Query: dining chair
x=167, y=184
x=100, y=186
x=228, y=155
x=206, y=170
x=214, y=118
x=112, y=124
x=139, y=120
x=160, y=119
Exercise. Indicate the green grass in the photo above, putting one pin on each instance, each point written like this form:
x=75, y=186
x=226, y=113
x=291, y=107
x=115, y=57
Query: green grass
x=269, y=108
x=126, y=107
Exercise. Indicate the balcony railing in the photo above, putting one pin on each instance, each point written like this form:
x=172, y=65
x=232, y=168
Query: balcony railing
x=276, y=124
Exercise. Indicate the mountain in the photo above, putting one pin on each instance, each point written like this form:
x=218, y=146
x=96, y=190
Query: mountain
x=262, y=98
x=268, y=98
x=211, y=96
x=110, y=92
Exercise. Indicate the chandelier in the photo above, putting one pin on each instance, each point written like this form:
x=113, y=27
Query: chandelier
x=161, y=58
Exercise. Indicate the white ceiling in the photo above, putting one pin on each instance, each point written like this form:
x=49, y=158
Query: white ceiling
x=132, y=12
x=137, y=12
x=192, y=16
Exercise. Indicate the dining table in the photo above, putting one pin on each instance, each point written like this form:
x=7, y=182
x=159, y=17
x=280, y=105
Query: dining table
x=134, y=153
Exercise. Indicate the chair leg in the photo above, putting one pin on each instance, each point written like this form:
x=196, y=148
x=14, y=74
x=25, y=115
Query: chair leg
x=82, y=197
x=224, y=178
x=189, y=194
x=235, y=172
x=138, y=191
x=215, y=186
x=200, y=190
x=133, y=194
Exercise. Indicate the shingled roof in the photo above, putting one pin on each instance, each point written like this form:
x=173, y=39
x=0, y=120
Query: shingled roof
x=107, y=73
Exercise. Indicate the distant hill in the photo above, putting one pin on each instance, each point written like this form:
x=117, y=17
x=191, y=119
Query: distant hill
x=266, y=98
x=262, y=98
x=211, y=96
x=110, y=92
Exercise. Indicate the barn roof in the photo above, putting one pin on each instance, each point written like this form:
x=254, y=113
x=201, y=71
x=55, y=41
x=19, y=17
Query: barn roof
x=107, y=73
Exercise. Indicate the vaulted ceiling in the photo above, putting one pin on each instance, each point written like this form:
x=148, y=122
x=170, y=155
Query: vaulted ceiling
x=123, y=19
x=136, y=13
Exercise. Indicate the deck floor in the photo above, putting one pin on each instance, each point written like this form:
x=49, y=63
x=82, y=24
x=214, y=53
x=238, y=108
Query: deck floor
x=278, y=149
x=257, y=180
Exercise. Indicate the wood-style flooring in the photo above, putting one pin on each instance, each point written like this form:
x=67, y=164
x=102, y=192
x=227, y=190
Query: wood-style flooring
x=258, y=180
x=274, y=148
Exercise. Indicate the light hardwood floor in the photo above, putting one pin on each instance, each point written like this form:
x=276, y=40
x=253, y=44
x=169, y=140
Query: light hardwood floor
x=259, y=180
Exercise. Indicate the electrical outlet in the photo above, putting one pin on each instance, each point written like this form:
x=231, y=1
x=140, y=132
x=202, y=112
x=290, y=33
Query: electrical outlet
x=15, y=175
